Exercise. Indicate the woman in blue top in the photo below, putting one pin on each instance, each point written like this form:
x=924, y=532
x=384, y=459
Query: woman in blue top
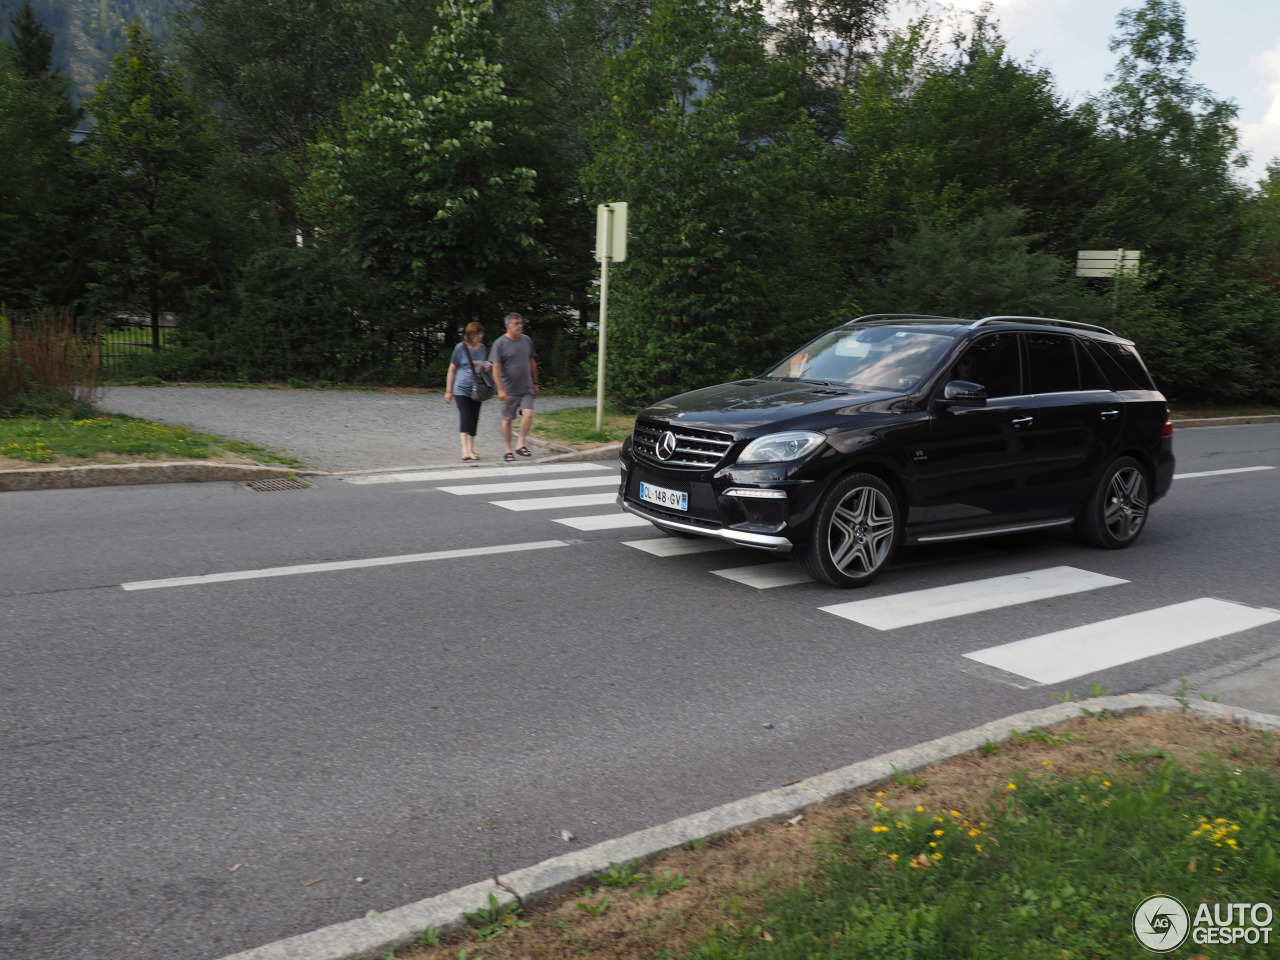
x=460, y=383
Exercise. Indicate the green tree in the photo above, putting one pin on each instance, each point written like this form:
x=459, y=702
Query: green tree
x=553, y=55
x=149, y=159
x=277, y=73
x=32, y=41
x=706, y=140
x=426, y=188
x=981, y=267
x=942, y=140
x=1170, y=159
x=38, y=189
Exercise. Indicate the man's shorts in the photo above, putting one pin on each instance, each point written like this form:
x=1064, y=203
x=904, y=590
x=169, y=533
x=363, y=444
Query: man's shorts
x=513, y=405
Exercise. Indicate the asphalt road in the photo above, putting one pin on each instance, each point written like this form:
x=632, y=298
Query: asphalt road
x=182, y=763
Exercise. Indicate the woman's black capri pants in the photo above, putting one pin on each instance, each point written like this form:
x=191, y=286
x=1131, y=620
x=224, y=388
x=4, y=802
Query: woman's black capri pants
x=468, y=413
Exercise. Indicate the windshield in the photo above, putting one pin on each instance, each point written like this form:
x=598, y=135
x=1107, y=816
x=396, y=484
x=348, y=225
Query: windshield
x=869, y=358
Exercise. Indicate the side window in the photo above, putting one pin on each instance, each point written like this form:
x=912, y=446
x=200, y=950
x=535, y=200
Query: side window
x=993, y=362
x=1091, y=376
x=1121, y=364
x=1051, y=363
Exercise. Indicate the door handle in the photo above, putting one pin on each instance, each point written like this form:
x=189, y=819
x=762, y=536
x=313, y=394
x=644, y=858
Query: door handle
x=1021, y=421
x=1110, y=414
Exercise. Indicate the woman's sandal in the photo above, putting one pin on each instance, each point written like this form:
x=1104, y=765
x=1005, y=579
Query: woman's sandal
x=509, y=457
x=523, y=451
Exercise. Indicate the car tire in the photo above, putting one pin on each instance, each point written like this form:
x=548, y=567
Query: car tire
x=855, y=532
x=1116, y=512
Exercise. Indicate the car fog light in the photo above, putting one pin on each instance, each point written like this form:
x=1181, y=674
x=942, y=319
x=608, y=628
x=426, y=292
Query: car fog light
x=756, y=494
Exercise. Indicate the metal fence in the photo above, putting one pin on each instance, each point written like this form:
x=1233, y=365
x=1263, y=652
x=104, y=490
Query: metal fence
x=120, y=342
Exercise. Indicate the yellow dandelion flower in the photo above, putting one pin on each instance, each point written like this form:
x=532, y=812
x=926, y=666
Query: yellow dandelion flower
x=919, y=809
x=939, y=833
x=937, y=856
x=1046, y=763
x=1013, y=786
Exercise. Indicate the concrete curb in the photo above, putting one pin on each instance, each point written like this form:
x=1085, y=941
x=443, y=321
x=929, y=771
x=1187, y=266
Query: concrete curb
x=1227, y=421
x=112, y=475
x=371, y=938
x=608, y=452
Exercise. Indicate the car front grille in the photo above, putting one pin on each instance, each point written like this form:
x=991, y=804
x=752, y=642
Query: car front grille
x=704, y=507
x=694, y=449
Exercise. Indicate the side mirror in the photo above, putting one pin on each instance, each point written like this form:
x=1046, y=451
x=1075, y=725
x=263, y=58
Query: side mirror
x=962, y=393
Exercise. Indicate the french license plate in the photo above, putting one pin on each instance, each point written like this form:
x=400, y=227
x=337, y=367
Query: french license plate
x=671, y=499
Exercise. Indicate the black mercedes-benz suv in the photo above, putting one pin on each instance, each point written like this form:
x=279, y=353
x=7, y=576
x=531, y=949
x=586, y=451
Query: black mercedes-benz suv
x=915, y=429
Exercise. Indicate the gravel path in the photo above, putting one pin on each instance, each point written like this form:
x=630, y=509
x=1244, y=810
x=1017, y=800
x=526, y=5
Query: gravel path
x=329, y=429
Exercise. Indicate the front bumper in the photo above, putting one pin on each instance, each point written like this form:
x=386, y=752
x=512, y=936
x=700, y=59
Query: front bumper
x=744, y=538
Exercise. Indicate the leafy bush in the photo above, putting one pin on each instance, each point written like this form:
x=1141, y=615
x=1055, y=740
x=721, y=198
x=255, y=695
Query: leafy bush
x=47, y=363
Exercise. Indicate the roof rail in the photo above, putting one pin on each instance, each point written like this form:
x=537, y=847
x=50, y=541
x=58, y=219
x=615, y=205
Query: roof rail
x=901, y=316
x=1049, y=321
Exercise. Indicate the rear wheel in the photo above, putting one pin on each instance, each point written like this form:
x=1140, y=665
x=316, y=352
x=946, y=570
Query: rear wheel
x=855, y=531
x=1117, y=510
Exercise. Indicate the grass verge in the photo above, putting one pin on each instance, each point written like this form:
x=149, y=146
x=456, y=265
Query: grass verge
x=1041, y=847
x=576, y=426
x=116, y=439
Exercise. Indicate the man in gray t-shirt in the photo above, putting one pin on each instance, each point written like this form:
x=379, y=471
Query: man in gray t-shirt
x=515, y=373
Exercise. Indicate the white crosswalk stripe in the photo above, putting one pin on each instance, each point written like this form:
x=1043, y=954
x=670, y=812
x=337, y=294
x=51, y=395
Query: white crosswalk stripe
x=530, y=486
x=473, y=473
x=677, y=547
x=1054, y=657
x=604, y=521
x=552, y=503
x=765, y=576
x=958, y=599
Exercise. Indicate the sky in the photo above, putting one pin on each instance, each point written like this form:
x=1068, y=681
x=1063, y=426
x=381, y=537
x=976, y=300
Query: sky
x=1237, y=54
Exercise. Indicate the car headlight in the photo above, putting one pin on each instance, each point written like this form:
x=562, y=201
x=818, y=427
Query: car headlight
x=780, y=447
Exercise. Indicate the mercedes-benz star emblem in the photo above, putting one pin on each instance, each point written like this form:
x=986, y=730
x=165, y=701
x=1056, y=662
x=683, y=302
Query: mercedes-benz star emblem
x=666, y=446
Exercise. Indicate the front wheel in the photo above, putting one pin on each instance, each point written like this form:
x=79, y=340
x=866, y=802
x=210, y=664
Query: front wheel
x=855, y=531
x=1116, y=512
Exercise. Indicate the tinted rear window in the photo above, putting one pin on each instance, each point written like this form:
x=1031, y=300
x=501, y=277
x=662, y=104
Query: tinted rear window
x=1051, y=363
x=1121, y=364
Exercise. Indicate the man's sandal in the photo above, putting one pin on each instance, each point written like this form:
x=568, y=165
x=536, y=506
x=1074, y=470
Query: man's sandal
x=523, y=451
x=509, y=457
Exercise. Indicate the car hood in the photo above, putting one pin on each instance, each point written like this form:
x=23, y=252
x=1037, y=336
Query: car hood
x=752, y=407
